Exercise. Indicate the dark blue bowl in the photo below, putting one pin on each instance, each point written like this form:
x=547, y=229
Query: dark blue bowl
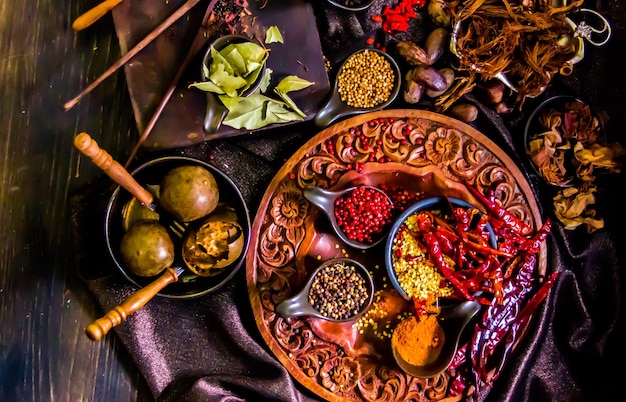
x=425, y=204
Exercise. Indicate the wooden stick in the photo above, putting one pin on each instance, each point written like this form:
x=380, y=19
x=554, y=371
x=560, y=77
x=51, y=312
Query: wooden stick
x=132, y=52
x=89, y=17
x=199, y=41
x=134, y=302
x=101, y=158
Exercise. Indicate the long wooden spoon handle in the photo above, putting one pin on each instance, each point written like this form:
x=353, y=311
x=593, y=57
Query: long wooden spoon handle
x=101, y=158
x=91, y=16
x=134, y=302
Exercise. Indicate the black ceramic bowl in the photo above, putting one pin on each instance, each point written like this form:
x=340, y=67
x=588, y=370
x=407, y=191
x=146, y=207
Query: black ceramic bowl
x=298, y=304
x=335, y=108
x=122, y=208
x=432, y=203
x=534, y=127
x=215, y=111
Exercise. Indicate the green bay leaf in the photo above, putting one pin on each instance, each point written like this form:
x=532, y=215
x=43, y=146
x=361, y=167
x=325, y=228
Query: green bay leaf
x=230, y=84
x=207, y=86
x=289, y=102
x=273, y=35
x=292, y=83
x=256, y=111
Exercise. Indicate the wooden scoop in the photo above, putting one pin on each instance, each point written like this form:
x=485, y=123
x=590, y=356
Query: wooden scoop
x=121, y=176
x=91, y=16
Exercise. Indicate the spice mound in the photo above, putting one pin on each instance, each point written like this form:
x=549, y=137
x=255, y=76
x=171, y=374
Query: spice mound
x=363, y=214
x=338, y=291
x=366, y=80
x=418, y=340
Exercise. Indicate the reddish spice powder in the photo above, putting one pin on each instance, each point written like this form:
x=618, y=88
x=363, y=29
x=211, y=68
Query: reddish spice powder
x=418, y=338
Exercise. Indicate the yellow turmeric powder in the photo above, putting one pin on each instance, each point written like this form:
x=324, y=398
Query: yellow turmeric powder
x=418, y=339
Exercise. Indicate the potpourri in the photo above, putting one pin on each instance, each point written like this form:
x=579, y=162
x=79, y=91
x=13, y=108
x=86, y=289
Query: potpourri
x=528, y=42
x=569, y=153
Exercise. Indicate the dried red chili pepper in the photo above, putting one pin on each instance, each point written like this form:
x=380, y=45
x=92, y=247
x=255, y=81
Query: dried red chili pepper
x=397, y=18
x=498, y=211
x=532, y=245
x=434, y=251
x=537, y=298
x=498, y=318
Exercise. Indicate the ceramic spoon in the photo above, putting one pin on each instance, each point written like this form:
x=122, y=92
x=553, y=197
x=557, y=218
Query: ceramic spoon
x=325, y=200
x=298, y=304
x=335, y=109
x=453, y=319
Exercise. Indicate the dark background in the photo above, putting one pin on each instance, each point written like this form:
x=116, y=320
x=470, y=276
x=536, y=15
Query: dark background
x=44, y=306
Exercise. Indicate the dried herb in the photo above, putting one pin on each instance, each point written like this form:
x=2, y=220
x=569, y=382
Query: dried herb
x=568, y=154
x=273, y=35
x=571, y=207
x=527, y=41
x=234, y=69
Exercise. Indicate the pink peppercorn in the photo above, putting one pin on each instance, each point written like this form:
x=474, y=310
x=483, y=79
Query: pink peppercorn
x=363, y=213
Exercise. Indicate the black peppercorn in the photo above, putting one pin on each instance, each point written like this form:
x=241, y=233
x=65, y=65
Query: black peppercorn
x=338, y=291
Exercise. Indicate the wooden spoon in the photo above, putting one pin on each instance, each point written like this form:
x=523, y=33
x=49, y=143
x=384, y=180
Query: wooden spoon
x=91, y=16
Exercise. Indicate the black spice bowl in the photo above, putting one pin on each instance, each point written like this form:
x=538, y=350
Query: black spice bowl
x=427, y=204
x=123, y=208
x=353, y=296
x=335, y=108
x=563, y=173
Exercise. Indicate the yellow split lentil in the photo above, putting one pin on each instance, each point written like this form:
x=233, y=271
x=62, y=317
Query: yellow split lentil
x=416, y=274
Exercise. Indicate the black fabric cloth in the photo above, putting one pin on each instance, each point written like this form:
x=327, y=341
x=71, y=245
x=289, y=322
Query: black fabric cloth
x=209, y=348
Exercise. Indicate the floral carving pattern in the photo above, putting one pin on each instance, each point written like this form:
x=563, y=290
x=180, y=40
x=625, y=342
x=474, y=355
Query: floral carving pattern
x=414, y=142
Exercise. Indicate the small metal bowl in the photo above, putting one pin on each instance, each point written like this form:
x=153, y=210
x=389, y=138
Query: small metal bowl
x=298, y=304
x=351, y=5
x=123, y=208
x=597, y=34
x=335, y=109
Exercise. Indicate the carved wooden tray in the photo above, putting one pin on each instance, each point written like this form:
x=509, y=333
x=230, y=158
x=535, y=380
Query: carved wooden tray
x=419, y=151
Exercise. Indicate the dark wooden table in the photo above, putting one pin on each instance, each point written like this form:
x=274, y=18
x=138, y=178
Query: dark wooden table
x=44, y=307
x=44, y=353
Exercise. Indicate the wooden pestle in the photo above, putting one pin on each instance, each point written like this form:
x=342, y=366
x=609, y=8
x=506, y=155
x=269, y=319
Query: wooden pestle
x=134, y=302
x=89, y=17
x=101, y=158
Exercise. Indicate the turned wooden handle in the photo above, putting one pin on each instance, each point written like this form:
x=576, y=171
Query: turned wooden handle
x=101, y=158
x=137, y=300
x=94, y=14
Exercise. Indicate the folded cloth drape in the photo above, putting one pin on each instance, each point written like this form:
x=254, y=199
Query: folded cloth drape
x=209, y=348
